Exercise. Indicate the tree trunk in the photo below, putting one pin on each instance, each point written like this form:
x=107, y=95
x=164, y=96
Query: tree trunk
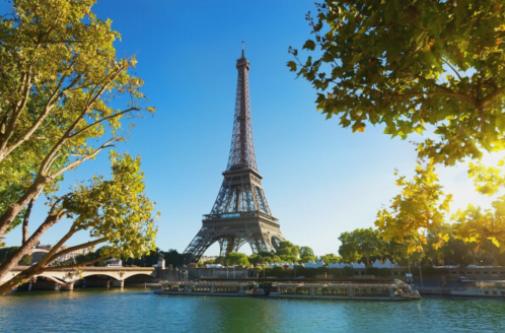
x=27, y=247
x=14, y=209
x=26, y=221
x=21, y=278
x=421, y=274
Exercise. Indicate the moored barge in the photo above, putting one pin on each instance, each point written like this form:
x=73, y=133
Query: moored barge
x=395, y=290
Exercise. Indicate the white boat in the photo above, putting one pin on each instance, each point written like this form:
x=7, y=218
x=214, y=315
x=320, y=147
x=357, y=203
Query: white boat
x=488, y=288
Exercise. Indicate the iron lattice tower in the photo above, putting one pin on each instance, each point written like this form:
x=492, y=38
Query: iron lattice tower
x=240, y=213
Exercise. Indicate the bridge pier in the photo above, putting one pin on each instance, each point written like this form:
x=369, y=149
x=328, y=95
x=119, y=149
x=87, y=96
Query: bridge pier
x=116, y=283
x=69, y=286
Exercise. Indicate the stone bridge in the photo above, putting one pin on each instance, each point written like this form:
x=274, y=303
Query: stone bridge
x=66, y=278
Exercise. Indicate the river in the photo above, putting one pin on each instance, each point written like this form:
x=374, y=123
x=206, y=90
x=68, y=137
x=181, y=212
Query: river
x=142, y=311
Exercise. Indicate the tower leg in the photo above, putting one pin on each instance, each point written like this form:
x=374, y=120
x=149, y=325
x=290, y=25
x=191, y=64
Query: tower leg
x=199, y=245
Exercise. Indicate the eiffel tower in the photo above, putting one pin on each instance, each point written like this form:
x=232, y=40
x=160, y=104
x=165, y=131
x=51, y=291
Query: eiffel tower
x=240, y=213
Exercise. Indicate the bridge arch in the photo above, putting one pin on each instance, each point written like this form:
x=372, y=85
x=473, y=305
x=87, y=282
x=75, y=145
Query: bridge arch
x=51, y=278
x=113, y=275
x=132, y=274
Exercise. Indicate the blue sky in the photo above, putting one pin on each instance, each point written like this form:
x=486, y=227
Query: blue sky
x=320, y=179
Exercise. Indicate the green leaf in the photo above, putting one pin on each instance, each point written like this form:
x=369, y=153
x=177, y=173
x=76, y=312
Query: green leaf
x=309, y=45
x=292, y=66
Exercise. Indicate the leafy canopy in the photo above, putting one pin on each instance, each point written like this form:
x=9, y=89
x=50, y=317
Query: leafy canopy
x=115, y=210
x=236, y=259
x=361, y=245
x=58, y=76
x=417, y=213
x=64, y=95
x=427, y=67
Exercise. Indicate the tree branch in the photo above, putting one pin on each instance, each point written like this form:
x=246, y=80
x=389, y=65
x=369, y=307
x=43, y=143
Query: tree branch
x=77, y=247
x=54, y=215
x=42, y=179
x=77, y=265
x=78, y=162
x=489, y=99
x=114, y=115
x=13, y=210
x=26, y=221
x=18, y=109
x=48, y=257
x=106, y=82
x=51, y=103
x=443, y=90
x=452, y=68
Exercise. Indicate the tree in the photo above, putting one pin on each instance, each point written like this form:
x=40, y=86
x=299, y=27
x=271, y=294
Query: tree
x=307, y=254
x=236, y=259
x=361, y=245
x=330, y=258
x=432, y=67
x=288, y=252
x=147, y=260
x=58, y=75
x=488, y=179
x=457, y=252
x=417, y=214
x=264, y=258
x=174, y=258
x=115, y=212
x=483, y=231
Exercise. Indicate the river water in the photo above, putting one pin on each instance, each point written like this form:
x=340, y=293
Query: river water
x=143, y=311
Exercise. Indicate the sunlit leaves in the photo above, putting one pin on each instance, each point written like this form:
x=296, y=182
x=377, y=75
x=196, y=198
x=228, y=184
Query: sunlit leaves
x=116, y=209
x=68, y=56
x=417, y=213
x=483, y=229
x=487, y=179
x=64, y=94
x=415, y=67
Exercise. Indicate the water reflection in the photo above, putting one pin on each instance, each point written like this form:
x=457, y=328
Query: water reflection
x=141, y=311
x=234, y=314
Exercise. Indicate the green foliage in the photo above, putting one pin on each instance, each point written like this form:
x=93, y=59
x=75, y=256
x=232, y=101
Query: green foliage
x=416, y=67
x=307, y=254
x=60, y=55
x=6, y=253
x=58, y=76
x=59, y=80
x=147, y=260
x=174, y=258
x=455, y=252
x=330, y=258
x=236, y=259
x=416, y=214
x=288, y=252
x=116, y=210
x=484, y=230
x=262, y=258
x=488, y=179
x=361, y=245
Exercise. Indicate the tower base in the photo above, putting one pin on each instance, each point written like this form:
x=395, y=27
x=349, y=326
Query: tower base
x=233, y=230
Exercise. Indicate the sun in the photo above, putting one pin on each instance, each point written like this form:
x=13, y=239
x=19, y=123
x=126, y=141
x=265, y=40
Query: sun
x=457, y=182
